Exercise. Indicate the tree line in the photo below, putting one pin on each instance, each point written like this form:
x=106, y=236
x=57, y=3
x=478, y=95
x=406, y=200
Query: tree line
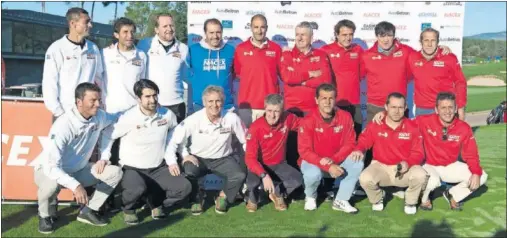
x=484, y=48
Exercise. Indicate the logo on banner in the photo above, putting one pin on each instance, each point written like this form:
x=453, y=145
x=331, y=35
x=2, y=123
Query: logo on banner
x=313, y=15
x=213, y=64
x=283, y=3
x=285, y=26
x=399, y=13
x=227, y=24
x=425, y=25
x=285, y=12
x=401, y=27
x=228, y=11
x=403, y=40
x=371, y=14
x=368, y=27
x=251, y=13
x=247, y=26
x=282, y=38
x=450, y=26
x=200, y=11
x=341, y=13
x=450, y=39
x=196, y=24
x=453, y=4
x=427, y=14
x=452, y=14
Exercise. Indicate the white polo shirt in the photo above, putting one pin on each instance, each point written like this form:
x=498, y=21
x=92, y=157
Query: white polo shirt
x=144, y=139
x=167, y=69
x=208, y=140
x=73, y=139
x=121, y=71
x=65, y=67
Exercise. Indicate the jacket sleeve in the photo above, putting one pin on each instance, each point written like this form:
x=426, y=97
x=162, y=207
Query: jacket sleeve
x=349, y=142
x=470, y=153
x=99, y=70
x=416, y=156
x=252, y=150
x=362, y=65
x=51, y=81
x=365, y=140
x=170, y=155
x=294, y=121
x=408, y=69
x=179, y=140
x=325, y=77
x=111, y=133
x=291, y=74
x=460, y=82
x=305, y=145
x=239, y=130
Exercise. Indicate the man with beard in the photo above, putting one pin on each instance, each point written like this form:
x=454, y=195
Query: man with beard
x=210, y=132
x=167, y=65
x=435, y=72
x=145, y=131
x=256, y=64
x=397, y=156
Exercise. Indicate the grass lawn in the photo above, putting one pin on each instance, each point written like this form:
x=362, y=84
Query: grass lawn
x=486, y=69
x=484, y=98
x=484, y=214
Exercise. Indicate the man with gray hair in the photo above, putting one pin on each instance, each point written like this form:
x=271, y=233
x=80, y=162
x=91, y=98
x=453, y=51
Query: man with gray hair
x=210, y=131
x=265, y=154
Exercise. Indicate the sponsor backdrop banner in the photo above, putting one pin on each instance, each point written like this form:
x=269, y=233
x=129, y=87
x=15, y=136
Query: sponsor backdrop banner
x=408, y=17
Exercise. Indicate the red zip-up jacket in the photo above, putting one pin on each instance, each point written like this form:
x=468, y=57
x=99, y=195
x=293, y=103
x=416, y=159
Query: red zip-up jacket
x=267, y=144
x=442, y=73
x=318, y=139
x=294, y=71
x=390, y=146
x=257, y=69
x=460, y=138
x=345, y=65
x=386, y=74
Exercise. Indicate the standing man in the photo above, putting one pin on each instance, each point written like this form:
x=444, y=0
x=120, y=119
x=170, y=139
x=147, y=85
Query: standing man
x=167, y=65
x=210, y=131
x=145, y=131
x=435, y=72
x=256, y=63
x=211, y=63
x=303, y=69
x=124, y=65
x=70, y=61
x=326, y=139
x=397, y=156
x=73, y=137
x=266, y=144
x=345, y=58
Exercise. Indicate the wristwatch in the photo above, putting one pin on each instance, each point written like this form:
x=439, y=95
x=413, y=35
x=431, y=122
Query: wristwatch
x=263, y=175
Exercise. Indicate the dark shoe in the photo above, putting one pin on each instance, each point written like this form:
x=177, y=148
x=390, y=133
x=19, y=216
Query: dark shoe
x=130, y=218
x=46, y=225
x=197, y=206
x=455, y=206
x=158, y=213
x=220, y=205
x=91, y=217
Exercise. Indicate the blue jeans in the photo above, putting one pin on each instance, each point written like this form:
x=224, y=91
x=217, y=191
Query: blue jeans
x=423, y=111
x=312, y=176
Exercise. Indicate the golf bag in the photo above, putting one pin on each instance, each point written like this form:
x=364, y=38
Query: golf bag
x=497, y=115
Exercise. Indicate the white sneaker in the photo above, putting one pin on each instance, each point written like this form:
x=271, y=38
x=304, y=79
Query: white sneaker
x=310, y=204
x=379, y=206
x=400, y=194
x=410, y=209
x=341, y=205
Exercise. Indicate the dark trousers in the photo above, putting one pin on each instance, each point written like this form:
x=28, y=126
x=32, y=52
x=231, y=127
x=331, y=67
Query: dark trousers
x=357, y=117
x=292, y=154
x=163, y=188
x=281, y=174
x=180, y=110
x=227, y=168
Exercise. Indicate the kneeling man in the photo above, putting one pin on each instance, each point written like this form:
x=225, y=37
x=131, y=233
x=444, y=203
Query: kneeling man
x=144, y=131
x=397, y=156
x=326, y=139
x=266, y=144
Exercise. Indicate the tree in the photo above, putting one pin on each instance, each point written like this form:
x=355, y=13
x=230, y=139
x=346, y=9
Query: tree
x=93, y=9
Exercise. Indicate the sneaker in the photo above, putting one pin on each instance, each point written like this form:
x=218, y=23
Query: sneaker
x=91, y=217
x=400, y=194
x=410, y=209
x=379, y=206
x=130, y=218
x=158, y=213
x=46, y=225
x=426, y=206
x=251, y=207
x=197, y=207
x=220, y=205
x=310, y=204
x=456, y=206
x=278, y=201
x=341, y=205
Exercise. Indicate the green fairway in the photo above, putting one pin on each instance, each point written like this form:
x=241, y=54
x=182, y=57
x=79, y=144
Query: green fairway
x=485, y=69
x=484, y=98
x=484, y=214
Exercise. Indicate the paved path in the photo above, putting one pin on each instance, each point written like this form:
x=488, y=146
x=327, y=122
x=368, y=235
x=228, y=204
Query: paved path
x=477, y=118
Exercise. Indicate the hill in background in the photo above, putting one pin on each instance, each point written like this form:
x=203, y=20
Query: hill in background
x=489, y=36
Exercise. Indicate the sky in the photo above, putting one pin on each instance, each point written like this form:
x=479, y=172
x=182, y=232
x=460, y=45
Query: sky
x=480, y=17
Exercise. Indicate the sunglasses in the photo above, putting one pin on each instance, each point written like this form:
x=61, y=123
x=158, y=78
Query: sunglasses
x=444, y=133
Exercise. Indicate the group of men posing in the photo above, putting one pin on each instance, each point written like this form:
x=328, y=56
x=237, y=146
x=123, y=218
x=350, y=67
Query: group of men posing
x=163, y=153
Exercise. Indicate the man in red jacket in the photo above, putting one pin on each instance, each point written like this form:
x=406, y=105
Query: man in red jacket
x=435, y=72
x=397, y=155
x=345, y=58
x=303, y=69
x=445, y=137
x=256, y=63
x=266, y=144
x=326, y=139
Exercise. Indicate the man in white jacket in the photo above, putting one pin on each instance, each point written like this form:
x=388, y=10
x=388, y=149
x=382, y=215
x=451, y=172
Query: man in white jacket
x=145, y=131
x=70, y=61
x=167, y=65
x=73, y=137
